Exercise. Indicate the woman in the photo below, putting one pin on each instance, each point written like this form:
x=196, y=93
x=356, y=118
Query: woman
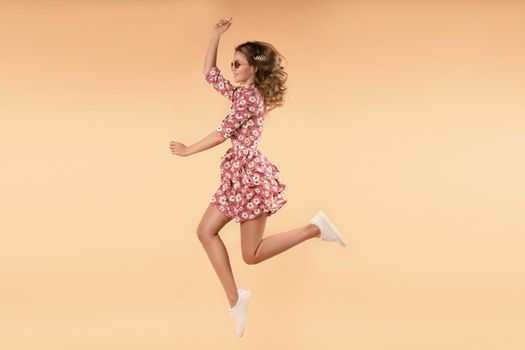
x=250, y=189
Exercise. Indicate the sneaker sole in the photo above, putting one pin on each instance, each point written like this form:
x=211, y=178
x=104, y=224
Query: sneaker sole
x=338, y=236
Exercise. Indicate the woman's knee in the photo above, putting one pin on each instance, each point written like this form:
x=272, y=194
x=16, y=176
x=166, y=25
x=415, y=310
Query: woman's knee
x=249, y=259
x=211, y=223
x=205, y=234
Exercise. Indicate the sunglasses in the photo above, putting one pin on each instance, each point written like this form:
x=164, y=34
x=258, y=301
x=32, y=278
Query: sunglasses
x=236, y=64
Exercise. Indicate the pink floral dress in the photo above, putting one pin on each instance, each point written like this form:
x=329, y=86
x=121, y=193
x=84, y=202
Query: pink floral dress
x=249, y=185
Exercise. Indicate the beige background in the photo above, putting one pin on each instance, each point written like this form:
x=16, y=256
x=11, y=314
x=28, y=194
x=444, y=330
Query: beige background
x=404, y=122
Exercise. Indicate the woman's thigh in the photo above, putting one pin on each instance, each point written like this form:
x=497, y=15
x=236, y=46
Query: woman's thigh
x=251, y=234
x=212, y=221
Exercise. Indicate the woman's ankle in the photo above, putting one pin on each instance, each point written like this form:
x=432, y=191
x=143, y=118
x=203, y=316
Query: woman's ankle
x=234, y=299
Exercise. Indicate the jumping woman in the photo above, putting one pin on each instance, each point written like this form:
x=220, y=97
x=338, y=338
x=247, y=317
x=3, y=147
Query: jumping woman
x=250, y=189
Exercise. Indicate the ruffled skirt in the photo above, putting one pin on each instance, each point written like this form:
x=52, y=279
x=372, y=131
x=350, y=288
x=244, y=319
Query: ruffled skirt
x=250, y=185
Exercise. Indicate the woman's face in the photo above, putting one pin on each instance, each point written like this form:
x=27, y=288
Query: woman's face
x=244, y=72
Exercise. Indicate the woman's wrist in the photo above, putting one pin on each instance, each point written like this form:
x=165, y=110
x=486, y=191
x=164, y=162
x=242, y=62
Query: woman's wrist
x=189, y=151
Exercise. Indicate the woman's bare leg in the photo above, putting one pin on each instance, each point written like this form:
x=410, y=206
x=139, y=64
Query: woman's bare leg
x=211, y=223
x=255, y=249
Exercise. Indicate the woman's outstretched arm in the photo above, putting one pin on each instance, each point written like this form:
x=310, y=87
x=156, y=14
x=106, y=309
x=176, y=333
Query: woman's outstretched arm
x=211, y=55
x=208, y=142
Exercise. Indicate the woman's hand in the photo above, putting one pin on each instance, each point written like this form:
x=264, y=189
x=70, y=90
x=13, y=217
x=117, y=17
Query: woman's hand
x=179, y=149
x=222, y=26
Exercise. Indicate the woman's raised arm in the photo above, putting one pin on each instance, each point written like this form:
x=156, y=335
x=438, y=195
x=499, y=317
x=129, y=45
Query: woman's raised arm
x=211, y=55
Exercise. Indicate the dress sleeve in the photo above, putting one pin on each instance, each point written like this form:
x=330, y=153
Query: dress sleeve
x=220, y=83
x=244, y=108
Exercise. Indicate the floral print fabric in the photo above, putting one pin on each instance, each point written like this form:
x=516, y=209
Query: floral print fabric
x=250, y=184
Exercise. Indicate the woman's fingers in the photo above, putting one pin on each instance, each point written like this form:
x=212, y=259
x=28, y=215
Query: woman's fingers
x=178, y=148
x=223, y=24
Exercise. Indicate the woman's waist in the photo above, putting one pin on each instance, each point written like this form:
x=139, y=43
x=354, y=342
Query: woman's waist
x=239, y=150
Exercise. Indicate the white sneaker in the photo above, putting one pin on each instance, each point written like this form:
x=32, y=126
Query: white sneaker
x=240, y=310
x=328, y=230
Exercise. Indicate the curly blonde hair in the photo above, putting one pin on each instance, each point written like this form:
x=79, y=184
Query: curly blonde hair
x=270, y=76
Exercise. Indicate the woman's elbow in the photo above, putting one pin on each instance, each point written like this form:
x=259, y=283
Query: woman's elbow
x=206, y=70
x=220, y=138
